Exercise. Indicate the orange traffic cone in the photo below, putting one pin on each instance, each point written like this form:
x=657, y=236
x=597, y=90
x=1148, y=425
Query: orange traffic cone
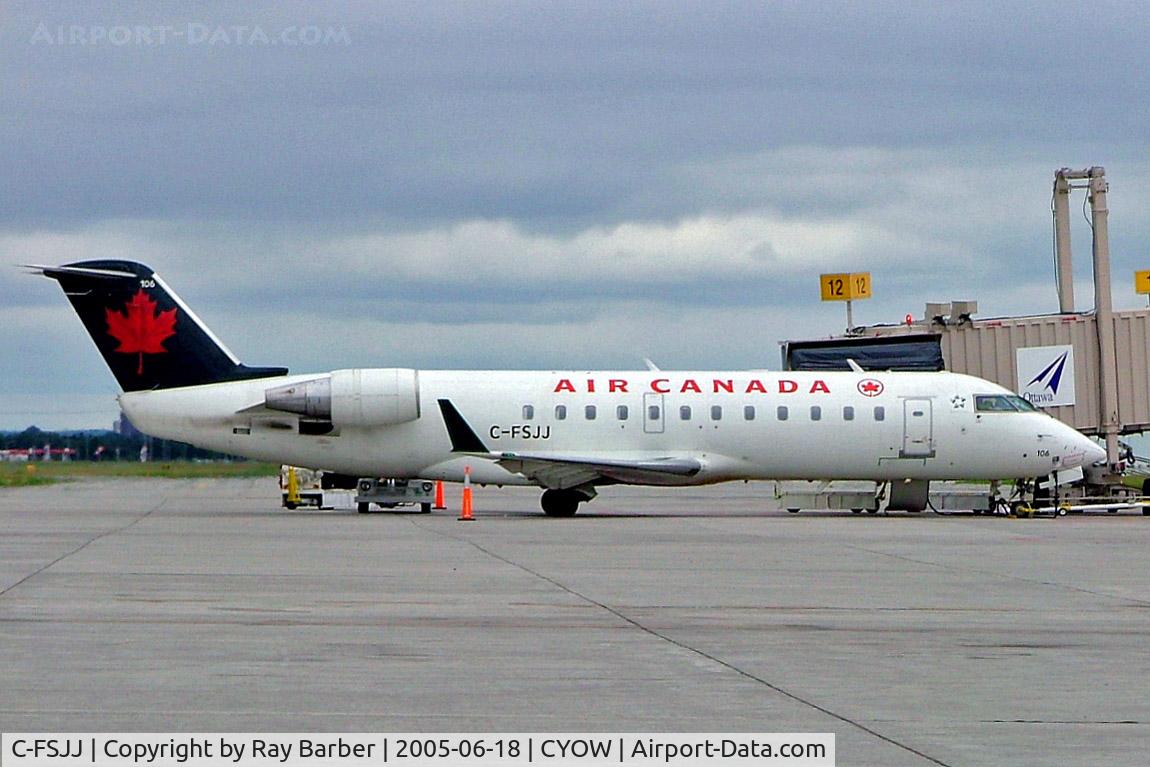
x=465, y=512
x=440, y=504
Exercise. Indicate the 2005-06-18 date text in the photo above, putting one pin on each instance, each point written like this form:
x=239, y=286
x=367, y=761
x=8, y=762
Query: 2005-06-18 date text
x=463, y=748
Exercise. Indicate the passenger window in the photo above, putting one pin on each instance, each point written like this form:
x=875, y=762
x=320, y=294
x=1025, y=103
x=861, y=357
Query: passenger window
x=528, y=412
x=782, y=412
x=816, y=413
x=848, y=413
x=748, y=412
x=589, y=412
x=685, y=413
x=880, y=413
x=653, y=413
x=716, y=412
x=560, y=412
x=621, y=412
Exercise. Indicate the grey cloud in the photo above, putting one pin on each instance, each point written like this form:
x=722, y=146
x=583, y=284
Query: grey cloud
x=538, y=113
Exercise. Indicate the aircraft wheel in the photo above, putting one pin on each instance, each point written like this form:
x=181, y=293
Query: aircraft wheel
x=872, y=511
x=560, y=503
x=856, y=511
x=793, y=511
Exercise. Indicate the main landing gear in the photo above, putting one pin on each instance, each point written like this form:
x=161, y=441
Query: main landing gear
x=562, y=503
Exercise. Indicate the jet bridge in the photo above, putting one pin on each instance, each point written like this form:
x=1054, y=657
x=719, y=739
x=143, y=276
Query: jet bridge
x=992, y=348
x=1090, y=369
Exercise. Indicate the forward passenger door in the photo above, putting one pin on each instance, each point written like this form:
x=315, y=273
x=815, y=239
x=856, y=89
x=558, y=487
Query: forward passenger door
x=917, y=428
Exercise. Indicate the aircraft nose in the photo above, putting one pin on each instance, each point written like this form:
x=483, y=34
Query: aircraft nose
x=1082, y=451
x=1095, y=453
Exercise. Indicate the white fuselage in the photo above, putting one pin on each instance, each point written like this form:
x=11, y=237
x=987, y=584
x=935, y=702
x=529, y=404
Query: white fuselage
x=737, y=425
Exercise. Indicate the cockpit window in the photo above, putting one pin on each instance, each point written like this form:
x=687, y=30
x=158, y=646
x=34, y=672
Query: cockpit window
x=1022, y=404
x=1002, y=403
x=993, y=403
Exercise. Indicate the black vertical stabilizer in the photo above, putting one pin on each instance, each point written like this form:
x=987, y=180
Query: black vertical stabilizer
x=148, y=336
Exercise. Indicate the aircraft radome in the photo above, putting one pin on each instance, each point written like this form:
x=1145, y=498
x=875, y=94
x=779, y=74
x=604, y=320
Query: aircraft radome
x=567, y=432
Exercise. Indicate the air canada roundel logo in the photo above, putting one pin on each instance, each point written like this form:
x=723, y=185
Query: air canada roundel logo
x=140, y=329
x=869, y=387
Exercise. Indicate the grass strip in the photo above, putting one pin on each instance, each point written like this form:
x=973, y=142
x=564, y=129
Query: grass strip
x=45, y=473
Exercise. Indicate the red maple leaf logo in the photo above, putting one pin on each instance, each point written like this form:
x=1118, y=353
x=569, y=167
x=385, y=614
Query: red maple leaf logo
x=140, y=329
x=869, y=387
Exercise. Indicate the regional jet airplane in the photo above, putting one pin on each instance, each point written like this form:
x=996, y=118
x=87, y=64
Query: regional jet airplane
x=567, y=432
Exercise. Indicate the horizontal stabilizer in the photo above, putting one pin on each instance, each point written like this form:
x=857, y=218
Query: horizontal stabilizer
x=55, y=272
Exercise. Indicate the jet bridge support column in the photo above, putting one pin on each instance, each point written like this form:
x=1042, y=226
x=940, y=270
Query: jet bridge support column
x=1064, y=269
x=1096, y=186
x=1104, y=313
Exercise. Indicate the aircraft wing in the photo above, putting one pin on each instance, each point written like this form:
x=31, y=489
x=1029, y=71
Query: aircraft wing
x=564, y=471
x=560, y=471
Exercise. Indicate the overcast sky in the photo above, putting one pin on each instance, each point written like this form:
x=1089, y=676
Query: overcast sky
x=538, y=185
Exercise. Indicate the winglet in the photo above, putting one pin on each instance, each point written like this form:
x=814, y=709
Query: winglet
x=463, y=439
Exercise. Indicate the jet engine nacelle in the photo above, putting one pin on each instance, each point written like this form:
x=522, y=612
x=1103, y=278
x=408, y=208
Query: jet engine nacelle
x=350, y=398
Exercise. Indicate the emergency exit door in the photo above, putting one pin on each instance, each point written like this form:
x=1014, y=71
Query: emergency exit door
x=917, y=428
x=653, y=413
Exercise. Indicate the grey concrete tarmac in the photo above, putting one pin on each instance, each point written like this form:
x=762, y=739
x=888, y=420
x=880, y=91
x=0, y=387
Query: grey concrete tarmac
x=140, y=605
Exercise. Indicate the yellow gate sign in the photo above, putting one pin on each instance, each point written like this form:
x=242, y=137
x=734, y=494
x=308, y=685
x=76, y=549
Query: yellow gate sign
x=1142, y=282
x=847, y=287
